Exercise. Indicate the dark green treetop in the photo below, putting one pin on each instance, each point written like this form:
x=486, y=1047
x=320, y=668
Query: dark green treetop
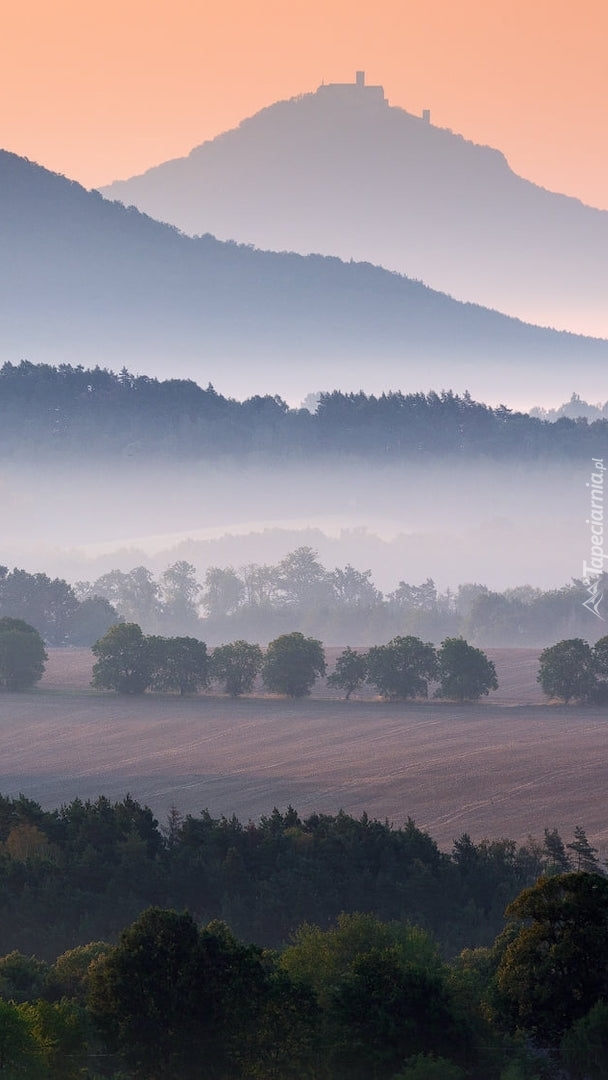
x=465, y=673
x=292, y=664
x=22, y=654
x=402, y=668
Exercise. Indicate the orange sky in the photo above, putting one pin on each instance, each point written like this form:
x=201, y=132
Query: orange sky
x=102, y=91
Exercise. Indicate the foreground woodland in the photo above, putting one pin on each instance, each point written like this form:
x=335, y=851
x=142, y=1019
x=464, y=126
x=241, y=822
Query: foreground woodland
x=374, y=955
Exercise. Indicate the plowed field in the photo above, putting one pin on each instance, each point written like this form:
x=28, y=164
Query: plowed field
x=507, y=766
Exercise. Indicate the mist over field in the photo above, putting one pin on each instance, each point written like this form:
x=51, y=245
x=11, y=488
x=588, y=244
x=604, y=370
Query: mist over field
x=500, y=525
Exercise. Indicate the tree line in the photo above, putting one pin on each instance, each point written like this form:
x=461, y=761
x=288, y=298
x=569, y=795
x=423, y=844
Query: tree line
x=261, y=601
x=51, y=606
x=372, y=955
x=405, y=667
x=130, y=662
x=340, y=604
x=71, y=409
x=87, y=869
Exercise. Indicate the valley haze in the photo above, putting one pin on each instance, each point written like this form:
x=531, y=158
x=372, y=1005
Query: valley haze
x=453, y=522
x=90, y=281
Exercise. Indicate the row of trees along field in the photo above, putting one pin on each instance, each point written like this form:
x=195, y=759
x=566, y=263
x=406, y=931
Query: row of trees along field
x=261, y=601
x=404, y=668
x=129, y=662
x=69, y=410
x=375, y=956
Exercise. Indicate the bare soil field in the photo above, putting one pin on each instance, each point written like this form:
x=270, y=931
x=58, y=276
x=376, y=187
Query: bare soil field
x=504, y=767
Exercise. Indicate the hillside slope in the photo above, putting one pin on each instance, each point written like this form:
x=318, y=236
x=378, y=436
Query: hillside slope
x=340, y=172
x=86, y=280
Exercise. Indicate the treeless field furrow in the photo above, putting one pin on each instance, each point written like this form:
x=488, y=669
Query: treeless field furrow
x=487, y=769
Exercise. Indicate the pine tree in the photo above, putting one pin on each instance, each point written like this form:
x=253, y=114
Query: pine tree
x=585, y=854
x=555, y=851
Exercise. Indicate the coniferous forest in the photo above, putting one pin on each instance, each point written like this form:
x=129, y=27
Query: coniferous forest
x=69, y=410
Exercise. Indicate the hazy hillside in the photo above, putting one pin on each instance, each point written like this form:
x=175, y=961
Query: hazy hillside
x=86, y=280
x=340, y=172
x=101, y=471
x=74, y=413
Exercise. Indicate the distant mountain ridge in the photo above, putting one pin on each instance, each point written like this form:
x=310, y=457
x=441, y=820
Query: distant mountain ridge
x=340, y=172
x=85, y=280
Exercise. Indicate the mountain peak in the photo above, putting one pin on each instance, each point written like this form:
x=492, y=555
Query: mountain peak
x=340, y=171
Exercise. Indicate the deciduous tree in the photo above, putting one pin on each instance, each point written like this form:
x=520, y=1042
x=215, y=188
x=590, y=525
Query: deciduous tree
x=585, y=1046
x=236, y=666
x=91, y=620
x=354, y=589
x=59, y=1031
x=22, y=654
x=567, y=670
x=350, y=671
x=180, y=597
x=223, y=591
x=385, y=1011
x=22, y=978
x=292, y=664
x=48, y=605
x=178, y=663
x=19, y=1051
x=135, y=595
x=555, y=968
x=124, y=661
x=383, y=991
x=421, y=597
x=430, y=1067
x=465, y=673
x=302, y=579
x=178, y=1002
x=402, y=668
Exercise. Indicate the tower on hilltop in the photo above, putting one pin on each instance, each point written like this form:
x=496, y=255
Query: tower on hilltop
x=355, y=92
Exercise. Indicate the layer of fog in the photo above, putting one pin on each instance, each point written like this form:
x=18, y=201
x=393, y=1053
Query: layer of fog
x=498, y=525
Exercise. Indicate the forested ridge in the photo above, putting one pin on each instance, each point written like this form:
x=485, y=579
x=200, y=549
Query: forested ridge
x=85, y=870
x=69, y=411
